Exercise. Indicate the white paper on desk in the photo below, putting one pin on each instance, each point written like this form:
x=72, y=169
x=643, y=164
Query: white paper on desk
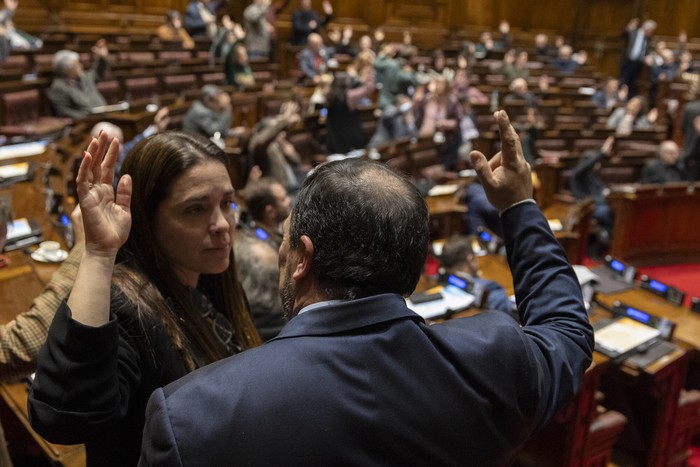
x=14, y=170
x=624, y=335
x=22, y=150
x=18, y=228
x=440, y=190
x=555, y=225
x=453, y=299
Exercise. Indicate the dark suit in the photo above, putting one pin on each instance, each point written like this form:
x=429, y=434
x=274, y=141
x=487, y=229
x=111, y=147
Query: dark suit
x=691, y=142
x=631, y=66
x=366, y=382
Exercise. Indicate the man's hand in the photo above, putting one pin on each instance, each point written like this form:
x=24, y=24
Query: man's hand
x=327, y=7
x=161, y=120
x=506, y=177
x=100, y=48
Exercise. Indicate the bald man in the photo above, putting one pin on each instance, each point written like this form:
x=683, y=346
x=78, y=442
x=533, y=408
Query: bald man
x=667, y=167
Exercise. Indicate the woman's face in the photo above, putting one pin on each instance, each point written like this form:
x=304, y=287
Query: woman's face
x=194, y=225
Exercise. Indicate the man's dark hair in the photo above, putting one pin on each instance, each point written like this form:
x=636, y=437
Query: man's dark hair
x=368, y=226
x=258, y=195
x=455, y=250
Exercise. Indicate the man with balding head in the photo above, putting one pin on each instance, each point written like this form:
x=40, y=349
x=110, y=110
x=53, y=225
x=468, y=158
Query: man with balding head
x=356, y=377
x=667, y=167
x=313, y=60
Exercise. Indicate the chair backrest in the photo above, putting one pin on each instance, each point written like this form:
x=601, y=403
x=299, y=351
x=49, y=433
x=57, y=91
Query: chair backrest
x=21, y=106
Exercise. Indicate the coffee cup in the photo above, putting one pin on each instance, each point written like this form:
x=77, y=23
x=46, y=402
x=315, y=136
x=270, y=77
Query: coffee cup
x=50, y=250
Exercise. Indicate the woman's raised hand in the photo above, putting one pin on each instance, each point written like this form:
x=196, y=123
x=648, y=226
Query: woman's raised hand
x=107, y=219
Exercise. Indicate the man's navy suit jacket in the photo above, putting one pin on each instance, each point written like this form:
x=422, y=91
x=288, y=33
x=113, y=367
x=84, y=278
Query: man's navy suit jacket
x=367, y=382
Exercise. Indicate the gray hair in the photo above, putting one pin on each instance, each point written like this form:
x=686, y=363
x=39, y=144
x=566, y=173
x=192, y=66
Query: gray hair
x=63, y=60
x=210, y=91
x=258, y=272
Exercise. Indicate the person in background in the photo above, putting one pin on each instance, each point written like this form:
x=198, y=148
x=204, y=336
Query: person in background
x=585, y=182
x=396, y=121
x=21, y=338
x=668, y=167
x=395, y=74
x=173, y=30
x=306, y=21
x=268, y=205
x=690, y=127
x=665, y=70
x=259, y=274
x=227, y=36
x=211, y=114
x=462, y=87
x=519, y=92
x=340, y=40
x=272, y=152
x=438, y=115
x=12, y=38
x=258, y=29
x=73, y=92
x=237, y=68
x=313, y=60
x=544, y=51
x=487, y=43
x=467, y=128
x=567, y=61
x=515, y=65
x=161, y=120
x=200, y=17
x=458, y=258
x=171, y=304
x=354, y=246
x=633, y=116
x=272, y=13
x=343, y=125
x=638, y=37
x=610, y=94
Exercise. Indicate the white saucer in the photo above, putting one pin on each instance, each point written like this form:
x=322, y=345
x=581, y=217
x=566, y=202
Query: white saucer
x=38, y=255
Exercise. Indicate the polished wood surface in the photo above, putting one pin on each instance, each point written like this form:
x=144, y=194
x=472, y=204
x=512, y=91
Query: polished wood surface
x=656, y=224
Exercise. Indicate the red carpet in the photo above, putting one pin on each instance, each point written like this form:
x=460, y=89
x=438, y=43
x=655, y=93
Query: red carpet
x=694, y=460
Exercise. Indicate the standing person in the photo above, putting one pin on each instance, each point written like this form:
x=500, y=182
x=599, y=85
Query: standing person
x=73, y=92
x=272, y=13
x=305, y=21
x=343, y=125
x=257, y=28
x=13, y=38
x=171, y=304
x=355, y=377
x=638, y=45
x=438, y=115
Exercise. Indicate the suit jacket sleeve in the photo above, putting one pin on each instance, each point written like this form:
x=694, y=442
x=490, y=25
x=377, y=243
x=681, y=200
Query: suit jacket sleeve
x=550, y=306
x=21, y=338
x=159, y=445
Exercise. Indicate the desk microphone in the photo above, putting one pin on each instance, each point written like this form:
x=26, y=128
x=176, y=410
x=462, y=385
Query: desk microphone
x=668, y=292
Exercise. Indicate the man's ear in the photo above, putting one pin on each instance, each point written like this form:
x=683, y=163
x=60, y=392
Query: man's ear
x=303, y=268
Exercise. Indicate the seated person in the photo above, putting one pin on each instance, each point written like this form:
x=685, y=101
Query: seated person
x=665, y=70
x=172, y=30
x=462, y=87
x=515, y=65
x=259, y=275
x=272, y=152
x=211, y=114
x=237, y=68
x=200, y=17
x=567, y=61
x=307, y=21
x=73, y=92
x=313, y=60
x=161, y=120
x=228, y=34
x=585, y=182
x=396, y=121
x=439, y=66
x=487, y=43
x=268, y=205
x=668, y=167
x=519, y=92
x=458, y=258
x=21, y=338
x=12, y=38
x=467, y=126
x=340, y=41
x=633, y=116
x=544, y=51
x=610, y=94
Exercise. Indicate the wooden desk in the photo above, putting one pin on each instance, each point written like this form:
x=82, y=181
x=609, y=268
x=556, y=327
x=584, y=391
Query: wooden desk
x=20, y=282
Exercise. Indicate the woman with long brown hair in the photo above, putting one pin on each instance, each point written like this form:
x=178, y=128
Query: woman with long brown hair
x=171, y=304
